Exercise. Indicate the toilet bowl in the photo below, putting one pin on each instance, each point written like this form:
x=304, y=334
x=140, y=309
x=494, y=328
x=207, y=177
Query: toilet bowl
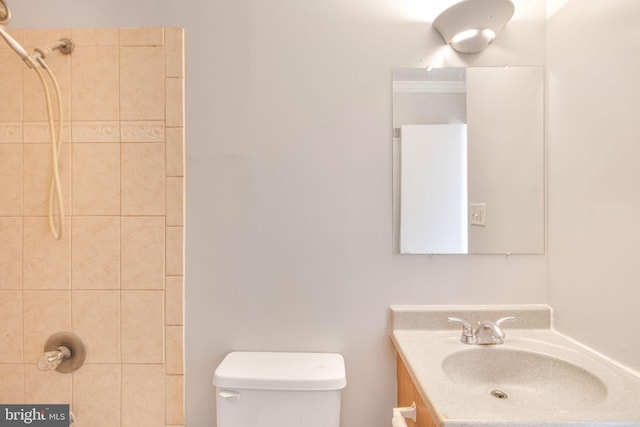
x=276, y=389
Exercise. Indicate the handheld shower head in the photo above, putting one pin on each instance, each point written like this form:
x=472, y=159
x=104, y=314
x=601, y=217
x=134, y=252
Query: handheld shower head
x=5, y=13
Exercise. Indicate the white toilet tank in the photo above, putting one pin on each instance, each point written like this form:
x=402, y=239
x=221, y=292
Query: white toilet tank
x=267, y=389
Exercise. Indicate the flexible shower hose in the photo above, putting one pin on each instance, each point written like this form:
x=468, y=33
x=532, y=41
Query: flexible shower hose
x=55, y=191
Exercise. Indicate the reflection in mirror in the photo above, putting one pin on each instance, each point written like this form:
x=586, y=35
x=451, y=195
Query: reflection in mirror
x=468, y=160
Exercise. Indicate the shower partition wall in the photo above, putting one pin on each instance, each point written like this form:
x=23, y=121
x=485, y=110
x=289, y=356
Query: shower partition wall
x=117, y=277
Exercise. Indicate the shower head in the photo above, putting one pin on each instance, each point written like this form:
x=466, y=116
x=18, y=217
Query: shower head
x=5, y=13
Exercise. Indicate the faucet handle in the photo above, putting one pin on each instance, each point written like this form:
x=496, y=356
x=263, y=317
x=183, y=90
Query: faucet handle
x=504, y=319
x=464, y=323
x=467, y=330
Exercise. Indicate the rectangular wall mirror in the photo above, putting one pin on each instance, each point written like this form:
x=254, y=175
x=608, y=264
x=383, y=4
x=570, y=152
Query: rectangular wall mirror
x=469, y=160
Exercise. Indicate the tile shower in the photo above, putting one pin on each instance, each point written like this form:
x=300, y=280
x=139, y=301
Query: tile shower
x=117, y=276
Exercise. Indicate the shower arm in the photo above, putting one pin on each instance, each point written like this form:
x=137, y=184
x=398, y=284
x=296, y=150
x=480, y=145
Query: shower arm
x=63, y=45
x=52, y=359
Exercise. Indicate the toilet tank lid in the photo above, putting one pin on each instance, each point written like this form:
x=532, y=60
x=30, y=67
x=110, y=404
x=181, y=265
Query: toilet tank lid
x=281, y=371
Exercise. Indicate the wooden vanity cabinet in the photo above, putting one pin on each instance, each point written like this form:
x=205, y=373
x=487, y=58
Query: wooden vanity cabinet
x=408, y=393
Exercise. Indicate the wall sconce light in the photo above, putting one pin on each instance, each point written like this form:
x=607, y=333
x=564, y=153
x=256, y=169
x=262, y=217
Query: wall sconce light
x=470, y=25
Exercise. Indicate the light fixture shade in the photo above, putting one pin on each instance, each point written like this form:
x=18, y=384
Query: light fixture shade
x=470, y=25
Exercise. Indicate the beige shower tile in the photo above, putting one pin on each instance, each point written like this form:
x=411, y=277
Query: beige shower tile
x=12, y=384
x=175, y=201
x=44, y=313
x=96, y=179
x=10, y=132
x=174, y=52
x=95, y=36
x=95, y=92
x=36, y=38
x=11, y=180
x=174, y=305
x=142, y=253
x=38, y=175
x=175, y=399
x=142, y=83
x=10, y=87
x=141, y=36
x=100, y=131
x=175, y=102
x=10, y=253
x=44, y=387
x=175, y=151
x=145, y=131
x=97, y=396
x=175, y=350
x=34, y=103
x=47, y=261
x=143, y=179
x=143, y=396
x=95, y=316
x=96, y=253
x=39, y=132
x=175, y=251
x=11, y=346
x=142, y=327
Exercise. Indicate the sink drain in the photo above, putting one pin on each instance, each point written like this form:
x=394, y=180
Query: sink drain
x=499, y=394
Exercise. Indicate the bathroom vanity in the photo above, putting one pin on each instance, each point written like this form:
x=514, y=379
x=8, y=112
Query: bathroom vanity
x=535, y=377
x=408, y=394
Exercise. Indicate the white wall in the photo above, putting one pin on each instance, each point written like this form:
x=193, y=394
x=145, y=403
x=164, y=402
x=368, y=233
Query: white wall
x=594, y=173
x=289, y=243
x=93, y=13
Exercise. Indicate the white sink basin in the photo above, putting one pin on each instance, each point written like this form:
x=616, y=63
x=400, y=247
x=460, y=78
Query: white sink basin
x=537, y=378
x=527, y=378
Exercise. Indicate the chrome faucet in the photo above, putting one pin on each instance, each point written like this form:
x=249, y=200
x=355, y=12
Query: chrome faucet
x=487, y=332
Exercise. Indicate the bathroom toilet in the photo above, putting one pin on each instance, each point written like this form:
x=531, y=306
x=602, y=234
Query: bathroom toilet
x=271, y=389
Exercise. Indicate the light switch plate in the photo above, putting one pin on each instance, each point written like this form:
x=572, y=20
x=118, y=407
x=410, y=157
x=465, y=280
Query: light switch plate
x=478, y=214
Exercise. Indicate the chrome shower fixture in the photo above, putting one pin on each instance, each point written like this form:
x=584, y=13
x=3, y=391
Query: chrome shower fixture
x=64, y=46
x=52, y=359
x=64, y=351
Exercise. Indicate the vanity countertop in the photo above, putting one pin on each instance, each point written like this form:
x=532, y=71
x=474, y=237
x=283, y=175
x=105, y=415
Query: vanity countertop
x=585, y=388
